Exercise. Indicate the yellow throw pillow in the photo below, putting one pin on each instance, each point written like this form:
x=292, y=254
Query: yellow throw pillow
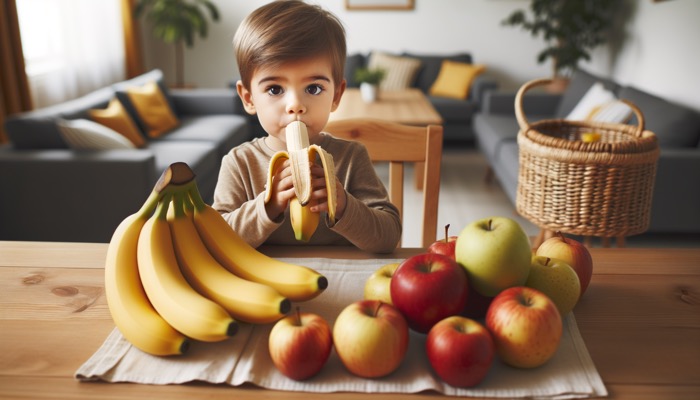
x=116, y=118
x=153, y=109
x=455, y=79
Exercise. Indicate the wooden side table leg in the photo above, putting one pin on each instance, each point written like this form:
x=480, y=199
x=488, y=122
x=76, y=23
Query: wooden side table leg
x=620, y=241
x=588, y=241
x=538, y=240
x=606, y=242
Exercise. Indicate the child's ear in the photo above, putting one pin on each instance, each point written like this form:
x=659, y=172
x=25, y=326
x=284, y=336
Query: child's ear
x=246, y=98
x=338, y=94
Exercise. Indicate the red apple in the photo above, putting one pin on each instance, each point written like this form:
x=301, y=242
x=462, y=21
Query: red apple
x=460, y=350
x=477, y=304
x=371, y=338
x=300, y=344
x=427, y=288
x=525, y=325
x=571, y=252
x=445, y=246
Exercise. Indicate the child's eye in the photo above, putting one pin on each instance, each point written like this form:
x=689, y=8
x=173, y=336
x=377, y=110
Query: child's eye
x=314, y=89
x=274, y=90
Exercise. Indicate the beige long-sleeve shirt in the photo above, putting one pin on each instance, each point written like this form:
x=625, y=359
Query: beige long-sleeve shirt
x=369, y=222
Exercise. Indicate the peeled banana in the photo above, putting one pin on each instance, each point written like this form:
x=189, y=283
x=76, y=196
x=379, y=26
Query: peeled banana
x=302, y=156
x=131, y=310
x=296, y=282
x=171, y=295
x=245, y=300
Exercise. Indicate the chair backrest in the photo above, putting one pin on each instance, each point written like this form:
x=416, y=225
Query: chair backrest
x=399, y=144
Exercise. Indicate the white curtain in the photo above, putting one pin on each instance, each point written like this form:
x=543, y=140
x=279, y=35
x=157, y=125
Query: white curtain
x=71, y=47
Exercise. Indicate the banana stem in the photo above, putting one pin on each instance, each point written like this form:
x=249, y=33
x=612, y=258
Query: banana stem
x=178, y=204
x=162, y=210
x=151, y=203
x=196, y=197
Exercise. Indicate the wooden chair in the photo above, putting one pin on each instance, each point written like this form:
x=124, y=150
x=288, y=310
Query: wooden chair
x=399, y=144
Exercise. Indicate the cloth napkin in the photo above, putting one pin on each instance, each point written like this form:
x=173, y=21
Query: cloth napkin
x=244, y=358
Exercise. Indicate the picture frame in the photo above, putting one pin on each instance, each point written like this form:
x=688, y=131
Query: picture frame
x=379, y=4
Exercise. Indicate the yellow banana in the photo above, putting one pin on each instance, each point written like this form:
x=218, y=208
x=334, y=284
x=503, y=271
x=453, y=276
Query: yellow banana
x=171, y=295
x=131, y=310
x=296, y=282
x=245, y=300
x=302, y=156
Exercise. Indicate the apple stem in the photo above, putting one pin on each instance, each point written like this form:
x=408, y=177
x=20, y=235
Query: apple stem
x=561, y=235
x=546, y=263
x=490, y=222
x=298, y=316
x=447, y=229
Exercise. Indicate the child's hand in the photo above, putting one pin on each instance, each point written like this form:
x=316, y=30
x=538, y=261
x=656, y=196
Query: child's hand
x=319, y=194
x=282, y=191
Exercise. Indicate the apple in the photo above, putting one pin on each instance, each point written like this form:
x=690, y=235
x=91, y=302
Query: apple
x=377, y=286
x=525, y=325
x=557, y=280
x=300, y=344
x=496, y=254
x=427, y=288
x=477, y=304
x=445, y=246
x=460, y=350
x=571, y=252
x=371, y=338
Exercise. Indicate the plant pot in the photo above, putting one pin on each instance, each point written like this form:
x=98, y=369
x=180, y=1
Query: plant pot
x=369, y=92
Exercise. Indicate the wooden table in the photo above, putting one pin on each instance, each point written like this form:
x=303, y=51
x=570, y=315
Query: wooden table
x=640, y=319
x=409, y=106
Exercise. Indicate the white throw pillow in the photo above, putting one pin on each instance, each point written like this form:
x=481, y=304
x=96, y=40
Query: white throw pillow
x=83, y=134
x=400, y=71
x=601, y=105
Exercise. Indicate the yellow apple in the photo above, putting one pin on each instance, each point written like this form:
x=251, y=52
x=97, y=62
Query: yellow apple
x=557, y=280
x=378, y=284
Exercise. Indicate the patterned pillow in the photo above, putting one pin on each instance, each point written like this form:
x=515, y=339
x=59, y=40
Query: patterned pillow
x=600, y=104
x=83, y=134
x=400, y=71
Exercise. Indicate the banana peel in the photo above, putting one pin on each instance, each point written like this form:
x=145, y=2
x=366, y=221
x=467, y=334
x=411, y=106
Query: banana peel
x=303, y=156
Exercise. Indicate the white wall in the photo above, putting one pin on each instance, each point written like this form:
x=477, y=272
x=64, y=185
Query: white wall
x=658, y=52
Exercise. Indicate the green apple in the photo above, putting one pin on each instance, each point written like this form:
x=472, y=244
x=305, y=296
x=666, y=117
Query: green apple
x=377, y=286
x=556, y=279
x=496, y=254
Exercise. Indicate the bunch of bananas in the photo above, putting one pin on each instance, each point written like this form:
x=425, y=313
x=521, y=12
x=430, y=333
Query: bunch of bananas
x=176, y=271
x=302, y=156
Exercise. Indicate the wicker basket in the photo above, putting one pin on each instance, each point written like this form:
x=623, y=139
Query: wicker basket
x=600, y=189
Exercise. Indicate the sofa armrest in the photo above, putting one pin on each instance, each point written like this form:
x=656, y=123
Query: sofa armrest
x=540, y=104
x=64, y=195
x=206, y=101
x=480, y=86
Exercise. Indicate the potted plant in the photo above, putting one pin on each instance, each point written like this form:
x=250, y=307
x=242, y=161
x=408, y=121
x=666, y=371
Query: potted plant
x=369, y=80
x=570, y=29
x=178, y=22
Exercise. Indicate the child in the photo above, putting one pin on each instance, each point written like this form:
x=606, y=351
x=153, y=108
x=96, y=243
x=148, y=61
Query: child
x=291, y=57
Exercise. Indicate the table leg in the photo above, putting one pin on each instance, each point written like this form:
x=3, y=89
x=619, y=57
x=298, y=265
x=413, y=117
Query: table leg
x=419, y=172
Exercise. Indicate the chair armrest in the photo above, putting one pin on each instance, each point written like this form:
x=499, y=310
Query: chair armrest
x=64, y=195
x=206, y=101
x=541, y=104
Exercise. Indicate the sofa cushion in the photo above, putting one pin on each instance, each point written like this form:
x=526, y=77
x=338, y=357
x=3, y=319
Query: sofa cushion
x=455, y=79
x=153, y=110
x=120, y=89
x=225, y=131
x=83, y=134
x=38, y=130
x=400, y=72
x=117, y=118
x=430, y=67
x=674, y=125
x=579, y=84
x=494, y=130
x=453, y=110
x=508, y=168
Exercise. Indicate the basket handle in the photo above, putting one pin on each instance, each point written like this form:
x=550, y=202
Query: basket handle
x=519, y=113
x=525, y=124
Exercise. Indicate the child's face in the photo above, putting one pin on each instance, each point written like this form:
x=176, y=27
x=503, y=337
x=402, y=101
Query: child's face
x=299, y=90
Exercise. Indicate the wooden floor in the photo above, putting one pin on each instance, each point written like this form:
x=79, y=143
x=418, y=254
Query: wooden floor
x=465, y=197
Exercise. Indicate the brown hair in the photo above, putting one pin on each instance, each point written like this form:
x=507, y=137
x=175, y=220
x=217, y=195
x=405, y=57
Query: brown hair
x=288, y=30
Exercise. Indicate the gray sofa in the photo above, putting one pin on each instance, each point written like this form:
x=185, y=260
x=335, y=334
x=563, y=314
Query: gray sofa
x=457, y=114
x=51, y=192
x=676, y=198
